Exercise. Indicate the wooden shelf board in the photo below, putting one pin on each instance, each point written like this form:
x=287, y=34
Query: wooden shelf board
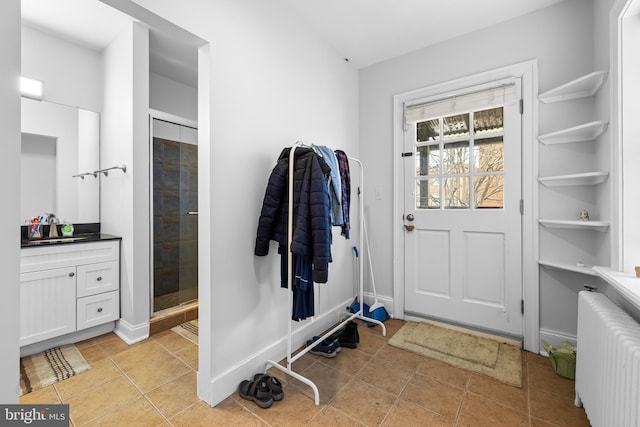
x=589, y=178
x=584, y=269
x=582, y=87
x=585, y=225
x=581, y=133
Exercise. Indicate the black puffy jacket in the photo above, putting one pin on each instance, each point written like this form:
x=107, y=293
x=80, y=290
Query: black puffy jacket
x=311, y=221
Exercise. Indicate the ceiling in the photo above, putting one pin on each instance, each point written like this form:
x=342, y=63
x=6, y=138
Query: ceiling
x=94, y=25
x=371, y=31
x=363, y=31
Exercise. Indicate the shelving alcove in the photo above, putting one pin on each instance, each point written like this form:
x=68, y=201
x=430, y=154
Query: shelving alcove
x=582, y=87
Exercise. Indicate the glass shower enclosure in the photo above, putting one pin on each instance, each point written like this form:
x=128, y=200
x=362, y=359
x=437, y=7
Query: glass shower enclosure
x=174, y=215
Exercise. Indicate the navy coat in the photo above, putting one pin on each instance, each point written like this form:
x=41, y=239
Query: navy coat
x=311, y=215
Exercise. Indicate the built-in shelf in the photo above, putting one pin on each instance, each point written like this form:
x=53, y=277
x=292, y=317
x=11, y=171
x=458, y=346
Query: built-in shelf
x=583, y=269
x=581, y=133
x=579, y=88
x=589, y=178
x=584, y=225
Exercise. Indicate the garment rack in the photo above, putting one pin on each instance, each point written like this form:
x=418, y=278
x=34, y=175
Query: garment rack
x=357, y=315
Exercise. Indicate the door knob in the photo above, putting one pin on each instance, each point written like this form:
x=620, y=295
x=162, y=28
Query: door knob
x=409, y=218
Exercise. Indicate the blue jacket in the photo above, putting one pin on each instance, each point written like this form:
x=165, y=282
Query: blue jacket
x=334, y=184
x=311, y=217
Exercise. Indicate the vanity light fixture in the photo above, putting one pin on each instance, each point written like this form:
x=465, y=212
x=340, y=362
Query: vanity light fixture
x=31, y=88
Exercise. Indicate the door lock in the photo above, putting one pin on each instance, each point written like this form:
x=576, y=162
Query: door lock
x=410, y=218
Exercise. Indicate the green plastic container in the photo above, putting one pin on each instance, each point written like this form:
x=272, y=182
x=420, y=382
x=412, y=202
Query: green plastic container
x=564, y=364
x=563, y=359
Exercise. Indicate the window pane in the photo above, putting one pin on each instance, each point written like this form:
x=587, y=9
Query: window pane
x=428, y=131
x=489, y=155
x=488, y=121
x=456, y=158
x=455, y=126
x=488, y=191
x=427, y=193
x=428, y=160
x=456, y=193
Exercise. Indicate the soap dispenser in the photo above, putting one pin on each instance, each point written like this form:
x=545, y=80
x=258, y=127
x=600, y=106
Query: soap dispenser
x=67, y=228
x=52, y=221
x=53, y=227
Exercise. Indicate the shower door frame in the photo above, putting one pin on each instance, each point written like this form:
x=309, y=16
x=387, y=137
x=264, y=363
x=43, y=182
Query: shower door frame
x=171, y=118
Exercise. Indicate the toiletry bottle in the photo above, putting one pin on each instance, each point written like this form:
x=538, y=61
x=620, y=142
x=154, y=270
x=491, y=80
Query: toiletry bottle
x=67, y=228
x=53, y=227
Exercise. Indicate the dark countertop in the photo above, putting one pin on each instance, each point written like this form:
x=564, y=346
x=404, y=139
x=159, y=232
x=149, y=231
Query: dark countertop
x=75, y=239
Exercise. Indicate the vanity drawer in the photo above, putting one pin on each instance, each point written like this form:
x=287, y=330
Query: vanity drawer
x=97, y=309
x=98, y=278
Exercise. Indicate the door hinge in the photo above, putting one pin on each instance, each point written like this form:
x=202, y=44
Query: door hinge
x=521, y=306
x=521, y=106
x=521, y=207
x=407, y=154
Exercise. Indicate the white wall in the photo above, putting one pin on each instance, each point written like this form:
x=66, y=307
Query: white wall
x=559, y=37
x=10, y=213
x=125, y=196
x=272, y=83
x=630, y=145
x=173, y=97
x=72, y=74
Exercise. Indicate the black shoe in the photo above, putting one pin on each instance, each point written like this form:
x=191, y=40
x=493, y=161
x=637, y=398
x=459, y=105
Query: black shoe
x=321, y=349
x=331, y=341
x=349, y=336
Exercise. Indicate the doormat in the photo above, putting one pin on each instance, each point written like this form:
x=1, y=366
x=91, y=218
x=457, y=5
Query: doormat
x=189, y=330
x=50, y=366
x=481, y=355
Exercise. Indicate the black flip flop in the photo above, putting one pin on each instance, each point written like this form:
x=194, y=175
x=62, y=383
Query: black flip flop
x=258, y=391
x=274, y=385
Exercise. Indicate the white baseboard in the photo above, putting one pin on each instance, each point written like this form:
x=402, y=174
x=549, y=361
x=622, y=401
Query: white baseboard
x=226, y=383
x=554, y=338
x=132, y=334
x=387, y=301
x=71, y=338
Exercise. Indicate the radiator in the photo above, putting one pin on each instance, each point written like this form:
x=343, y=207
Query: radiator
x=608, y=363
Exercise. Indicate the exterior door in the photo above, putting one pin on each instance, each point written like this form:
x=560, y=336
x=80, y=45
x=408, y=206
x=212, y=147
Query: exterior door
x=463, y=232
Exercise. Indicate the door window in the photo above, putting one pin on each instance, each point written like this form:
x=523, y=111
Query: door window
x=459, y=166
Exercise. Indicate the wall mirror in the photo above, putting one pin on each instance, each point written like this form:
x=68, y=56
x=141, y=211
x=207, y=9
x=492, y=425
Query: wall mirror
x=60, y=152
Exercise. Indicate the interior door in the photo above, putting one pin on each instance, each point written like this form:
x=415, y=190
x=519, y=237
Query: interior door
x=463, y=231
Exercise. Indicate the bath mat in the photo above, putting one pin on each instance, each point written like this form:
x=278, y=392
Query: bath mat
x=421, y=339
x=50, y=366
x=189, y=330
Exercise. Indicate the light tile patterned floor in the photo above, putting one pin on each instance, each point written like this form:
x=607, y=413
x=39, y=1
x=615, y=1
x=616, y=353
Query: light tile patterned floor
x=153, y=383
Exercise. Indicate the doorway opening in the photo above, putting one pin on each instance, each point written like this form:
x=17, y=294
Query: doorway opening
x=174, y=213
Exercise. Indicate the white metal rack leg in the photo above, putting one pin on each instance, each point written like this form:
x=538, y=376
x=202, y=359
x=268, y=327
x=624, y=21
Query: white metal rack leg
x=359, y=314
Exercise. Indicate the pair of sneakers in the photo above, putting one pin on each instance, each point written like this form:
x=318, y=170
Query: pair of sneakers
x=331, y=346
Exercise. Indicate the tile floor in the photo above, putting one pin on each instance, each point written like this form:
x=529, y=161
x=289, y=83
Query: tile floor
x=153, y=383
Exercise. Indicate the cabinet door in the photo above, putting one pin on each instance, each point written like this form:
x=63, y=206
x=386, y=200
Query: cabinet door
x=47, y=304
x=98, y=278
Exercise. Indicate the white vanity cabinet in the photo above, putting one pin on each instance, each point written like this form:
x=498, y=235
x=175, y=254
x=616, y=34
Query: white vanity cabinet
x=68, y=287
